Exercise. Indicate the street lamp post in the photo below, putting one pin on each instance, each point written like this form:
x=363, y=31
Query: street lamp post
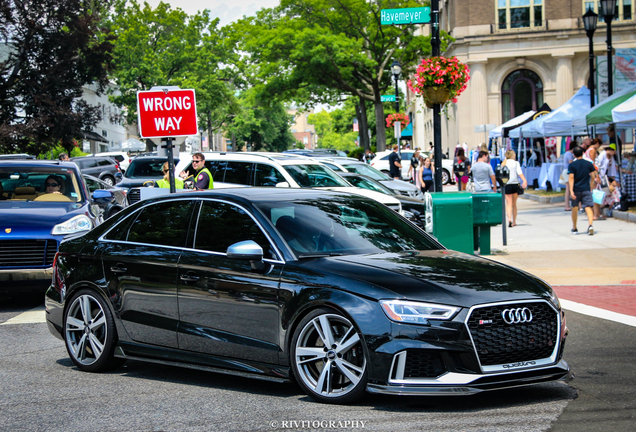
x=590, y=20
x=608, y=9
x=396, y=69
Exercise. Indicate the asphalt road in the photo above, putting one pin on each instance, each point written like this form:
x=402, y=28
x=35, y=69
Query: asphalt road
x=42, y=390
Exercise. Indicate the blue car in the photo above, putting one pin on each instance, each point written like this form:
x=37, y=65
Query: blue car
x=41, y=203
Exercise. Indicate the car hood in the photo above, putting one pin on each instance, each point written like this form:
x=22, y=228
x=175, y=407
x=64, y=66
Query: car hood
x=440, y=276
x=22, y=217
x=399, y=185
x=377, y=196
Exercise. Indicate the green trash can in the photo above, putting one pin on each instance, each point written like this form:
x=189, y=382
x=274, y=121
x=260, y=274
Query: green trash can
x=487, y=212
x=449, y=218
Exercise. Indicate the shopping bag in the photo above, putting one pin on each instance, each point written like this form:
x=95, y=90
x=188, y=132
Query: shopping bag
x=597, y=196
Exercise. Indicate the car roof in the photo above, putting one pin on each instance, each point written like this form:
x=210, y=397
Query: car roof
x=280, y=158
x=35, y=162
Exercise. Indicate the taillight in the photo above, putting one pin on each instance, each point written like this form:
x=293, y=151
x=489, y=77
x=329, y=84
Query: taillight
x=57, y=277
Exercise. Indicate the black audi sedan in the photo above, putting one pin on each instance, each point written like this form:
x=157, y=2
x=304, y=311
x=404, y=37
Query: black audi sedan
x=332, y=290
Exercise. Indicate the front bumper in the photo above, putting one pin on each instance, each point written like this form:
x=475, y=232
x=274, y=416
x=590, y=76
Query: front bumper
x=457, y=384
x=16, y=281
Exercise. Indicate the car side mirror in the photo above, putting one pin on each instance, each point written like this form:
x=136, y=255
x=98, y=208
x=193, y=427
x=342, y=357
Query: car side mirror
x=282, y=184
x=247, y=250
x=102, y=196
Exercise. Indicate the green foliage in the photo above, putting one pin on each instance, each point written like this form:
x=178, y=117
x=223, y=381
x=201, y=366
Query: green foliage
x=53, y=48
x=334, y=129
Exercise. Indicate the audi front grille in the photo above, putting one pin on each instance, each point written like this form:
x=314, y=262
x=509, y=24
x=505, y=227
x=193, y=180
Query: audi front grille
x=511, y=333
x=27, y=253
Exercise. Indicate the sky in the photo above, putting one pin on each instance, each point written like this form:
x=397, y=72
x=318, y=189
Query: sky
x=227, y=10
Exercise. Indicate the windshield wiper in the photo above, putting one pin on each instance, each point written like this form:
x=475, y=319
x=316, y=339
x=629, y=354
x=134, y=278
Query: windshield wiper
x=319, y=255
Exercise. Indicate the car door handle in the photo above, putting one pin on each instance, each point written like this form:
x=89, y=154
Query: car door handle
x=189, y=278
x=118, y=269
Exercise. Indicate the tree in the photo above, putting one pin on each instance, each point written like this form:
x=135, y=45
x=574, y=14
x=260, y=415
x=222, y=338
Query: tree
x=334, y=129
x=318, y=50
x=262, y=125
x=52, y=49
x=166, y=47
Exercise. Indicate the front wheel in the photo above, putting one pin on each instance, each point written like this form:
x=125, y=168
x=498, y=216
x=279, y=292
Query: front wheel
x=108, y=180
x=89, y=333
x=446, y=177
x=328, y=358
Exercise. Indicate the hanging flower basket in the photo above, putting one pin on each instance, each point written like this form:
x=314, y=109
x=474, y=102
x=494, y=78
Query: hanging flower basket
x=435, y=95
x=439, y=80
x=391, y=119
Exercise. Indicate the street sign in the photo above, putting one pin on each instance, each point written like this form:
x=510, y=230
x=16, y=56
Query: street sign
x=387, y=98
x=420, y=15
x=167, y=113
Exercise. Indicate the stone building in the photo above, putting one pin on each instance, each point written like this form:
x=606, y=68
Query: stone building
x=304, y=132
x=521, y=53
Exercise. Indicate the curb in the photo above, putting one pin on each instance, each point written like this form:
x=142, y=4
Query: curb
x=544, y=199
x=625, y=216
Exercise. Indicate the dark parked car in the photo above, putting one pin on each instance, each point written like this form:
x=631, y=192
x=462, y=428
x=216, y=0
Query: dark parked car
x=331, y=289
x=142, y=171
x=41, y=203
x=104, y=168
x=414, y=209
x=119, y=201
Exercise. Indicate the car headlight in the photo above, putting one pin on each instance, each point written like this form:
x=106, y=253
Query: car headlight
x=73, y=225
x=416, y=312
x=554, y=299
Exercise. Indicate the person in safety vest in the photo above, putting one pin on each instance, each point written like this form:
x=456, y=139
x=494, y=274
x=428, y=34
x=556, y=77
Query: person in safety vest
x=165, y=181
x=203, y=177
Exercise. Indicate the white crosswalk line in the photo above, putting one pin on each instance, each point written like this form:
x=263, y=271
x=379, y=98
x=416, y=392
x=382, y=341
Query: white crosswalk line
x=35, y=315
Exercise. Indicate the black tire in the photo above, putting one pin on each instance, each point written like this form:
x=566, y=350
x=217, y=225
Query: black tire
x=109, y=180
x=336, y=374
x=446, y=177
x=89, y=332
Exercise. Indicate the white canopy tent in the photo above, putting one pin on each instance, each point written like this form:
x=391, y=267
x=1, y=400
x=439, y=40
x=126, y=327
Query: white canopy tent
x=588, y=117
x=133, y=144
x=625, y=112
x=559, y=121
x=498, y=131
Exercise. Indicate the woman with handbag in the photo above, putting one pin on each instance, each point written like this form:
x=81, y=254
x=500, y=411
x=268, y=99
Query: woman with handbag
x=513, y=187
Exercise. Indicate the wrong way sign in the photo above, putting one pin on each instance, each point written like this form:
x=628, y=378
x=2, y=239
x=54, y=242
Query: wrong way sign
x=167, y=113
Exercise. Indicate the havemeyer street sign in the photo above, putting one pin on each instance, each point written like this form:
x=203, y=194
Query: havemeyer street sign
x=406, y=16
x=167, y=113
x=387, y=98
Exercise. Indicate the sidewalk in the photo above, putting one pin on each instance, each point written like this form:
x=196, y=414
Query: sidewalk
x=598, y=271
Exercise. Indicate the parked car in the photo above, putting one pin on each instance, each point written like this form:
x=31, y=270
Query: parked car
x=381, y=162
x=120, y=156
x=355, y=166
x=104, y=168
x=332, y=290
x=413, y=209
x=34, y=218
x=119, y=201
x=278, y=170
x=142, y=171
x=16, y=156
x=317, y=152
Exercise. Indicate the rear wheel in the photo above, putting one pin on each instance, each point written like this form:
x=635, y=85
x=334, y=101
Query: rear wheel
x=329, y=358
x=89, y=333
x=108, y=180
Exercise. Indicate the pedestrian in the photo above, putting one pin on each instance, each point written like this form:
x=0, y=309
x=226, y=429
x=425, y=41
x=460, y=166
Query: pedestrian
x=613, y=139
x=582, y=176
x=412, y=174
x=202, y=177
x=568, y=157
x=64, y=157
x=483, y=174
x=512, y=187
x=165, y=181
x=461, y=169
x=425, y=174
x=395, y=164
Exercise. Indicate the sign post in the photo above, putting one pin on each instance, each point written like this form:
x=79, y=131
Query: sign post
x=166, y=113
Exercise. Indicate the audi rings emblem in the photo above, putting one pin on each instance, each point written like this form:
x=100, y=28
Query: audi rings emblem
x=517, y=316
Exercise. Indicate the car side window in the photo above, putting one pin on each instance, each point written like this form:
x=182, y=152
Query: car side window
x=220, y=225
x=267, y=175
x=219, y=173
x=238, y=172
x=104, y=162
x=92, y=185
x=162, y=224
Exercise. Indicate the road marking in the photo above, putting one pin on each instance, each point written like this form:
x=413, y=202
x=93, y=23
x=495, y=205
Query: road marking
x=599, y=313
x=35, y=315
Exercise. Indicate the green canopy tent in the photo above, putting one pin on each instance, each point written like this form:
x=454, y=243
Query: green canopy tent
x=602, y=113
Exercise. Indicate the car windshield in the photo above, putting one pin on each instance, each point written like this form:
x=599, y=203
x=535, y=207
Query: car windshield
x=343, y=226
x=39, y=183
x=315, y=176
x=366, y=170
x=364, y=183
x=146, y=168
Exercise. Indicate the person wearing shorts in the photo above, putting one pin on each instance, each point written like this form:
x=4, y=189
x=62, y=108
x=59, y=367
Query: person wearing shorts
x=582, y=175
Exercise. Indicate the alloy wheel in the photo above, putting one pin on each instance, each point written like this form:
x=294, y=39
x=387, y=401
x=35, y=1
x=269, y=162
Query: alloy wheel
x=86, y=330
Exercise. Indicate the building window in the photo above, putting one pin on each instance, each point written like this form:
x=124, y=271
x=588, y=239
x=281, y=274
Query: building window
x=104, y=133
x=624, y=9
x=512, y=14
x=521, y=91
